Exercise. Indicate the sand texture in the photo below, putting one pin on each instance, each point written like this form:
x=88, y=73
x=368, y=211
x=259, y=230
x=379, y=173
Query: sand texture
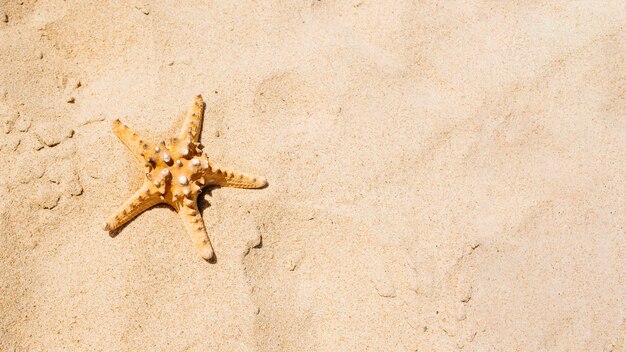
x=443, y=175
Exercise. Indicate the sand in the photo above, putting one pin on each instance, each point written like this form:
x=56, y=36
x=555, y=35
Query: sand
x=442, y=175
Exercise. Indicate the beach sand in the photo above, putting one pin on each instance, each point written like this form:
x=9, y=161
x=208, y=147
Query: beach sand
x=443, y=175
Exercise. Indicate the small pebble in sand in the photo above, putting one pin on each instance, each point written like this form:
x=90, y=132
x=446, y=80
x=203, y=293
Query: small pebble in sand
x=255, y=241
x=145, y=9
x=467, y=296
x=39, y=54
x=71, y=100
x=4, y=17
x=293, y=260
x=73, y=83
x=54, y=175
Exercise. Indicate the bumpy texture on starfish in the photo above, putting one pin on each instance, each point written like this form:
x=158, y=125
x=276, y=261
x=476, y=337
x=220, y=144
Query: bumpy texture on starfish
x=176, y=171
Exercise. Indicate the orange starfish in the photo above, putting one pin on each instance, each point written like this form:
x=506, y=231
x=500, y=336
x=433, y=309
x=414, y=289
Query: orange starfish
x=177, y=169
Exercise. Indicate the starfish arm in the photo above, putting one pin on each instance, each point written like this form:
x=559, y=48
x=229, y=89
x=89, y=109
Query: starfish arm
x=226, y=178
x=194, y=225
x=143, y=199
x=132, y=140
x=192, y=124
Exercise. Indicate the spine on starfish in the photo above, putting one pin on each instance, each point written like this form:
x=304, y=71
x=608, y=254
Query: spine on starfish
x=192, y=125
x=161, y=181
x=192, y=220
x=226, y=178
x=139, y=147
x=143, y=199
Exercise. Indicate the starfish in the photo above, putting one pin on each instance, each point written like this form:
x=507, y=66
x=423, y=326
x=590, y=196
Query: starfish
x=177, y=169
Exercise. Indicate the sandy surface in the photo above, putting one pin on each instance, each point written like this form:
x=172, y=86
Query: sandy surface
x=443, y=175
